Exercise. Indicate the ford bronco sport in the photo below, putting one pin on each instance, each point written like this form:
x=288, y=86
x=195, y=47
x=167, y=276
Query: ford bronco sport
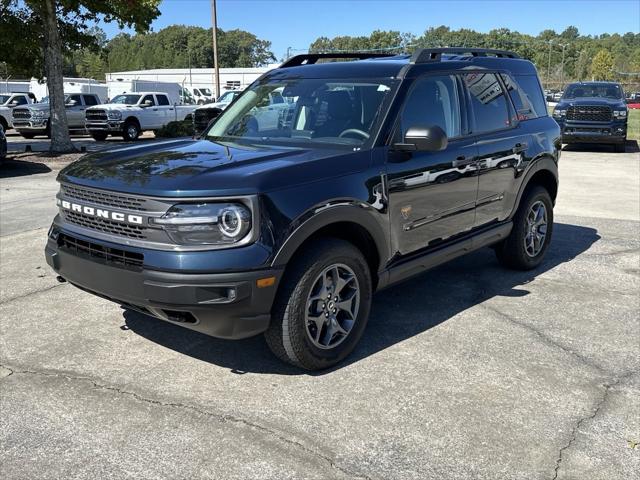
x=286, y=221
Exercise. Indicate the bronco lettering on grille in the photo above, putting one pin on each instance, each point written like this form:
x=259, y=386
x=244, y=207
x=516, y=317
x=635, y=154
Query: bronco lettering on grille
x=99, y=212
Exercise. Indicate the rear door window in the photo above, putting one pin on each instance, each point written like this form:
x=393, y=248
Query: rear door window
x=488, y=102
x=90, y=100
x=162, y=100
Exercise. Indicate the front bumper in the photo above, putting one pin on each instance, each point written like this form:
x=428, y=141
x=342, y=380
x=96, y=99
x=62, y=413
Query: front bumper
x=587, y=132
x=33, y=125
x=108, y=126
x=224, y=305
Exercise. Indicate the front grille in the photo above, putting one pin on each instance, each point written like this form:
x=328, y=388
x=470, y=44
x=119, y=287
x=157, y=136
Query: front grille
x=103, y=198
x=21, y=113
x=202, y=117
x=589, y=114
x=96, y=115
x=106, y=226
x=94, y=251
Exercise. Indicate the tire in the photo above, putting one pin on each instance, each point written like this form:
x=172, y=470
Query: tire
x=4, y=124
x=99, y=136
x=27, y=135
x=130, y=131
x=512, y=252
x=289, y=336
x=621, y=147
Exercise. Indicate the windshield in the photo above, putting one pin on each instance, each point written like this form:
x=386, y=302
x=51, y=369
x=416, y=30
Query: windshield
x=126, y=99
x=228, y=96
x=205, y=91
x=298, y=111
x=4, y=98
x=603, y=90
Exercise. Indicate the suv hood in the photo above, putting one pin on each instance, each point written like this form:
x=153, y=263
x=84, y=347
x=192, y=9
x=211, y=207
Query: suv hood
x=183, y=168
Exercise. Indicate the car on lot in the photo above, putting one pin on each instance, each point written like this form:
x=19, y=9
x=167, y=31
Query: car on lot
x=387, y=166
x=9, y=101
x=130, y=114
x=3, y=144
x=202, y=95
x=593, y=112
x=34, y=119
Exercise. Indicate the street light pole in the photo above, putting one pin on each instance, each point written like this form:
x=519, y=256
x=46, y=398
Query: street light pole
x=214, y=22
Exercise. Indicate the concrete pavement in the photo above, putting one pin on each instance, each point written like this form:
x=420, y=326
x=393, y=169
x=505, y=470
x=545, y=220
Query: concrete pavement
x=469, y=371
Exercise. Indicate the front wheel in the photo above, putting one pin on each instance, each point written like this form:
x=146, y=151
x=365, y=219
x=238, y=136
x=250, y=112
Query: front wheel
x=322, y=306
x=130, y=131
x=526, y=245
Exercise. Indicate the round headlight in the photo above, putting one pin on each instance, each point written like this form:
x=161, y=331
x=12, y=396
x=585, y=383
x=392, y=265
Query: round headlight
x=232, y=221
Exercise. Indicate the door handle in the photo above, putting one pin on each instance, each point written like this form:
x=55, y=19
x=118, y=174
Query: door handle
x=519, y=147
x=463, y=161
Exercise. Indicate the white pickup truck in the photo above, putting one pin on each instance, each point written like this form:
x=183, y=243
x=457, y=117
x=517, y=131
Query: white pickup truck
x=130, y=114
x=8, y=101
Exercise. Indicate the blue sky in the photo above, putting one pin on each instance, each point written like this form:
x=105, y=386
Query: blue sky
x=296, y=23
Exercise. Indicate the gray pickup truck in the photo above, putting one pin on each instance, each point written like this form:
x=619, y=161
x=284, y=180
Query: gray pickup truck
x=33, y=119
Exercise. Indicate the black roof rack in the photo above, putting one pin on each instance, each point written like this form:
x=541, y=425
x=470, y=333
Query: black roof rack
x=427, y=55
x=311, y=58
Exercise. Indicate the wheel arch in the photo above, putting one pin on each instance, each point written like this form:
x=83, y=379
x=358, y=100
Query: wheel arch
x=354, y=224
x=134, y=119
x=543, y=173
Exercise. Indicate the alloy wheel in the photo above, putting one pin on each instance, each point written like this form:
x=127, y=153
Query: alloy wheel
x=536, y=226
x=332, y=306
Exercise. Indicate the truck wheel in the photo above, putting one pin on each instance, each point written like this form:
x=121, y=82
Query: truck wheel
x=529, y=239
x=27, y=135
x=130, y=131
x=99, y=136
x=322, y=306
x=3, y=124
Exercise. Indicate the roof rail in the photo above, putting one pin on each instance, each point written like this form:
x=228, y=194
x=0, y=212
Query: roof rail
x=311, y=58
x=427, y=55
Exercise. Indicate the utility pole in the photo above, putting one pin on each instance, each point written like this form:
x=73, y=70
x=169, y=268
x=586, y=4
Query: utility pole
x=216, y=72
x=288, y=53
x=564, y=45
x=549, y=65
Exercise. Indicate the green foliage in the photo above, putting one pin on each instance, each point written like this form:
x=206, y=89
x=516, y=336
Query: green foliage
x=183, y=128
x=602, y=66
x=545, y=49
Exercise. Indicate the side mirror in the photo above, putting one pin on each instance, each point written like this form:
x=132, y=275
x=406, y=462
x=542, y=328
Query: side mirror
x=420, y=138
x=147, y=103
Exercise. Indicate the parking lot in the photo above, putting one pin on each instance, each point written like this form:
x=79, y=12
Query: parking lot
x=469, y=371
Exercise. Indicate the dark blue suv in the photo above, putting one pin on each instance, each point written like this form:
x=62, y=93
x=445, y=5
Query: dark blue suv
x=287, y=215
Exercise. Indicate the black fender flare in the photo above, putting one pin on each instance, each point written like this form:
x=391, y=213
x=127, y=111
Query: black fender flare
x=543, y=163
x=362, y=215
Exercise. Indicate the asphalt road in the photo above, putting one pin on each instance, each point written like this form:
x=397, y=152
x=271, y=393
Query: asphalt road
x=467, y=372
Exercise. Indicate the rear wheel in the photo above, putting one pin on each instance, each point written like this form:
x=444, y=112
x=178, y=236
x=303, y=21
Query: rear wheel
x=322, y=305
x=526, y=245
x=130, y=131
x=99, y=136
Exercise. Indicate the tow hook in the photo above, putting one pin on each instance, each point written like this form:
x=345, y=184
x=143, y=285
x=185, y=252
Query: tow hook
x=60, y=279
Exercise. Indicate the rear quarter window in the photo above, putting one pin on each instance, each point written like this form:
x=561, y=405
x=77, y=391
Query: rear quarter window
x=530, y=85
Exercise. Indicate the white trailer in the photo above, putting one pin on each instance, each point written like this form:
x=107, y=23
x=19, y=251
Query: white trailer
x=118, y=86
x=70, y=85
x=7, y=86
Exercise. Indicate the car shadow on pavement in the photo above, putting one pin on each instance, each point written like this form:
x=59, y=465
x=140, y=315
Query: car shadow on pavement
x=397, y=314
x=11, y=167
x=630, y=147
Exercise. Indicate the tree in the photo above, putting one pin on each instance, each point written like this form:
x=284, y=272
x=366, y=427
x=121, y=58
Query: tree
x=53, y=28
x=602, y=66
